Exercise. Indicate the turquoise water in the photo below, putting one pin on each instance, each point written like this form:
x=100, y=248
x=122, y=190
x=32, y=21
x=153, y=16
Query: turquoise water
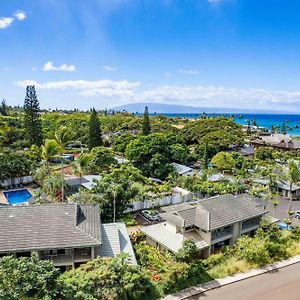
x=17, y=197
x=263, y=120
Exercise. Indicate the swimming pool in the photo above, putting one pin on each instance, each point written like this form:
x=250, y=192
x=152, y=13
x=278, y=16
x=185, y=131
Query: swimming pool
x=17, y=197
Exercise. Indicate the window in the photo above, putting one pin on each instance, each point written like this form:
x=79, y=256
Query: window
x=221, y=232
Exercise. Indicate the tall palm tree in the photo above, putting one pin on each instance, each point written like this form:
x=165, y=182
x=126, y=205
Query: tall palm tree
x=49, y=149
x=63, y=135
x=292, y=175
x=80, y=165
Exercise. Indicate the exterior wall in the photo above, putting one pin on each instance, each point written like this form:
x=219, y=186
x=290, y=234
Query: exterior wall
x=205, y=235
x=236, y=232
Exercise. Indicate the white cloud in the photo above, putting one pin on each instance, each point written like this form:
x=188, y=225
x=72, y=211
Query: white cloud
x=20, y=15
x=5, y=22
x=7, y=69
x=198, y=96
x=34, y=69
x=48, y=66
x=213, y=96
x=106, y=87
x=109, y=68
x=188, y=71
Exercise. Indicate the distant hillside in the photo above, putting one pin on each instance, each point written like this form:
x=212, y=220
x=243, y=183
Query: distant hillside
x=181, y=109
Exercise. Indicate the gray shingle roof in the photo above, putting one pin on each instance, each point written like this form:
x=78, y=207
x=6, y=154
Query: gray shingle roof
x=37, y=227
x=115, y=240
x=181, y=169
x=215, y=212
x=228, y=209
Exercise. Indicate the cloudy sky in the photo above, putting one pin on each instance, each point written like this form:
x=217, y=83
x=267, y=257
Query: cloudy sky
x=104, y=53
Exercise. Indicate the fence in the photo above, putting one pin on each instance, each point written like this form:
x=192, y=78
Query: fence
x=167, y=200
x=13, y=182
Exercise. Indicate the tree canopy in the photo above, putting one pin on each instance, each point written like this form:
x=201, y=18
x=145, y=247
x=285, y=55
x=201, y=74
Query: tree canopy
x=32, y=121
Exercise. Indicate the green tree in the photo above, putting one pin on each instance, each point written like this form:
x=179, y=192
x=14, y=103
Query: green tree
x=3, y=108
x=63, y=135
x=146, y=129
x=180, y=153
x=188, y=252
x=49, y=149
x=223, y=161
x=151, y=154
x=100, y=159
x=116, y=191
x=292, y=175
x=29, y=278
x=80, y=165
x=108, y=279
x=95, y=134
x=32, y=121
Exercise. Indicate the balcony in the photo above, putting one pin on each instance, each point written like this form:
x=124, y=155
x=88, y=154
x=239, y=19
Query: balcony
x=222, y=233
x=70, y=256
x=251, y=224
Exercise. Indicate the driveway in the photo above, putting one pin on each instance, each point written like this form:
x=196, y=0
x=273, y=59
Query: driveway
x=282, y=208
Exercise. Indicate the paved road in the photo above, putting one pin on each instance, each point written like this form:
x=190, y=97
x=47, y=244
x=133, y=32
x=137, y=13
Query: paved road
x=282, y=208
x=280, y=285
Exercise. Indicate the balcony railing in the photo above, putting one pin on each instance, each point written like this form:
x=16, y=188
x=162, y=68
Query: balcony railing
x=67, y=258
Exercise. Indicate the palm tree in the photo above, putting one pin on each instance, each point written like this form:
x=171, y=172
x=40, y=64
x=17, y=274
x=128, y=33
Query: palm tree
x=63, y=135
x=49, y=149
x=275, y=203
x=80, y=165
x=292, y=175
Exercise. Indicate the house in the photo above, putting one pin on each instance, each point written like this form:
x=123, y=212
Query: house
x=74, y=183
x=247, y=150
x=281, y=187
x=183, y=170
x=67, y=234
x=277, y=141
x=211, y=223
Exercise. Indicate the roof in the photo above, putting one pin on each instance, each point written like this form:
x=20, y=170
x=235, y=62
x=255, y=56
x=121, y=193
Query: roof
x=38, y=227
x=216, y=212
x=171, y=240
x=181, y=169
x=89, y=181
x=74, y=180
x=247, y=150
x=279, y=183
x=115, y=240
x=278, y=140
x=228, y=209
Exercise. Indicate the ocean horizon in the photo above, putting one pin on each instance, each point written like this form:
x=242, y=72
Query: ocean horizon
x=262, y=120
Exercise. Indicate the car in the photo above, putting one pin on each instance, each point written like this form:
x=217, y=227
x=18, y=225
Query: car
x=284, y=226
x=297, y=214
x=152, y=215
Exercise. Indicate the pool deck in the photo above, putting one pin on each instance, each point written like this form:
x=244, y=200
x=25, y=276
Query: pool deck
x=3, y=199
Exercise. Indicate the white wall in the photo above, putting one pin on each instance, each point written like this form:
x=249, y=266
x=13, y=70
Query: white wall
x=168, y=200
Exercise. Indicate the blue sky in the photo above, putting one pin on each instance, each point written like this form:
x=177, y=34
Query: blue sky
x=104, y=53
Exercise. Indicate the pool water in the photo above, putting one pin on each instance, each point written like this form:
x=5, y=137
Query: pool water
x=17, y=197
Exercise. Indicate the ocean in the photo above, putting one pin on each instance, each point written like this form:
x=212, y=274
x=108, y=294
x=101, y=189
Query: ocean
x=263, y=120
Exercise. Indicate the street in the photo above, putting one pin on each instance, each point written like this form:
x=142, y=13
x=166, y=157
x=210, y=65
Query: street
x=282, y=208
x=279, y=285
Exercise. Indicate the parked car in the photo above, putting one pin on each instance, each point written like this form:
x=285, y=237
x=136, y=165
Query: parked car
x=284, y=226
x=152, y=215
x=297, y=214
